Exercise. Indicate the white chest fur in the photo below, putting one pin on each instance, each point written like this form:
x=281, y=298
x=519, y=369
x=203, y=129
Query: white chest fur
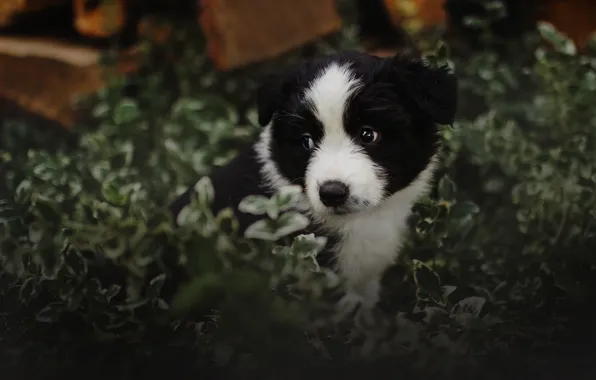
x=370, y=241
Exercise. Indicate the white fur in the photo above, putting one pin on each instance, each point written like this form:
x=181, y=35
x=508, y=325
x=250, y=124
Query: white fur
x=370, y=238
x=328, y=95
x=339, y=158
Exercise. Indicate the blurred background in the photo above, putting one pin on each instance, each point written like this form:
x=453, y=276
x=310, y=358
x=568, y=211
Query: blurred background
x=109, y=108
x=43, y=40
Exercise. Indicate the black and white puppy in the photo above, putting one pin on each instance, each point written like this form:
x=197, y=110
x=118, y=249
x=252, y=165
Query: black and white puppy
x=359, y=134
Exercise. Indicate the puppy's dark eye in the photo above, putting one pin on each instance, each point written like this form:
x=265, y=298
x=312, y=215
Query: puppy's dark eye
x=369, y=135
x=307, y=142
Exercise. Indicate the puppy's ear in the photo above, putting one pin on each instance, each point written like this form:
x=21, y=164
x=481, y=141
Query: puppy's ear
x=268, y=98
x=432, y=90
x=274, y=90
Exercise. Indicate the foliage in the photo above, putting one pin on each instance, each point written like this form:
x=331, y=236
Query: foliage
x=501, y=262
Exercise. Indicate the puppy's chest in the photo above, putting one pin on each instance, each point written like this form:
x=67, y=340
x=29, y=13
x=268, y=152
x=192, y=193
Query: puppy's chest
x=364, y=243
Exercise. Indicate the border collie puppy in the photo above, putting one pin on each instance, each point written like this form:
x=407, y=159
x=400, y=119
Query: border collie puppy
x=359, y=134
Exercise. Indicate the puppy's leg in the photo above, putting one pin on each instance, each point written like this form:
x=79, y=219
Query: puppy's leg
x=362, y=289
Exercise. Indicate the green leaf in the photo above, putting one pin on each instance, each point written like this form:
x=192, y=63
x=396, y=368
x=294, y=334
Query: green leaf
x=308, y=245
x=188, y=216
x=424, y=227
x=126, y=112
x=4, y=230
x=161, y=304
x=461, y=218
x=112, y=194
x=28, y=289
x=291, y=222
x=475, y=22
x=101, y=110
x=73, y=301
x=226, y=219
x=205, y=191
x=428, y=282
x=112, y=291
x=185, y=105
x=261, y=230
x=51, y=313
x=463, y=210
x=36, y=232
x=272, y=210
x=286, y=197
x=155, y=286
x=471, y=305
x=560, y=42
x=467, y=312
x=446, y=189
x=115, y=247
x=493, y=185
x=254, y=204
x=441, y=51
x=433, y=315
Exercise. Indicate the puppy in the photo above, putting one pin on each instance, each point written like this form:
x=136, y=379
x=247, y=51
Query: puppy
x=359, y=134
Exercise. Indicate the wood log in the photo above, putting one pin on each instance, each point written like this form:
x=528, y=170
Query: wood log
x=45, y=77
x=240, y=32
x=102, y=19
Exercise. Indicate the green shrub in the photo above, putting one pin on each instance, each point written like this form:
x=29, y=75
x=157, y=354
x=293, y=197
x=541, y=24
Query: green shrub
x=500, y=263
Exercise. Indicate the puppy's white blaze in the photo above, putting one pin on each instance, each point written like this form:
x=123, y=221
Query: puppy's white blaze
x=328, y=95
x=337, y=157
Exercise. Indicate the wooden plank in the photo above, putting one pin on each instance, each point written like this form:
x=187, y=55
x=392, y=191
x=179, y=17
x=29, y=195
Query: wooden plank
x=45, y=77
x=240, y=32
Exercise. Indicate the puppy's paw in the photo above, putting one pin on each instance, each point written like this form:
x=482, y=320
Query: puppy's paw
x=356, y=304
x=350, y=302
x=357, y=308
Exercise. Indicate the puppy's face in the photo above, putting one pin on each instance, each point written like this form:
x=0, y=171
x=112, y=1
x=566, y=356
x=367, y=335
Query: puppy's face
x=353, y=129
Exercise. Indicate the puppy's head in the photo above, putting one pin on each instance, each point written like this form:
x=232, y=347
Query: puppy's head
x=352, y=129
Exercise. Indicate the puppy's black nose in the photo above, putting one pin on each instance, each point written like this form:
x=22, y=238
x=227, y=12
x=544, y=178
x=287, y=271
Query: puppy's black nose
x=333, y=193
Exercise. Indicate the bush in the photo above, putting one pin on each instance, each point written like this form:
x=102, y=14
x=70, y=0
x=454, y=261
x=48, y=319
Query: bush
x=500, y=265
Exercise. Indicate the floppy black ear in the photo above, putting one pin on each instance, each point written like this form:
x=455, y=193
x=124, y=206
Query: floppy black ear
x=268, y=99
x=433, y=90
x=275, y=89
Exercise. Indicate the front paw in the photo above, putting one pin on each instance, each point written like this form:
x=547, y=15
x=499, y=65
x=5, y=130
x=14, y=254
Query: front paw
x=353, y=302
x=358, y=308
x=349, y=303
